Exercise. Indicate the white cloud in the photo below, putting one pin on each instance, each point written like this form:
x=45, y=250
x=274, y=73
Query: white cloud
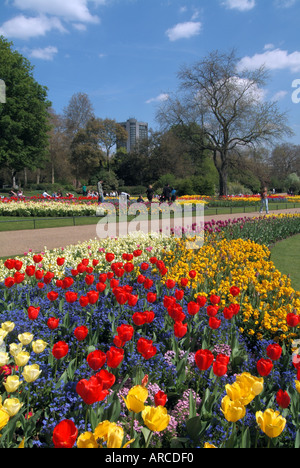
x=184, y=30
x=279, y=95
x=160, y=98
x=241, y=5
x=22, y=27
x=276, y=59
x=70, y=10
x=46, y=53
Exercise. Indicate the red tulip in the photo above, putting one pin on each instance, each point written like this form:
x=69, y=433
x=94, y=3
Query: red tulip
x=264, y=367
x=52, y=323
x=52, y=295
x=37, y=258
x=9, y=281
x=65, y=434
x=106, y=378
x=81, y=332
x=184, y=282
x=91, y=391
x=9, y=263
x=179, y=293
x=29, y=270
x=83, y=301
x=193, y=308
x=18, y=265
x=39, y=274
x=19, y=277
x=144, y=266
x=128, y=267
x=132, y=299
x=33, y=312
x=71, y=297
x=102, y=278
x=234, y=291
x=139, y=318
x=109, y=257
x=180, y=329
x=150, y=315
x=125, y=332
x=274, y=351
x=92, y=296
x=201, y=300
x=151, y=297
x=89, y=279
x=235, y=308
x=212, y=310
x=228, y=313
x=60, y=261
x=137, y=252
x=160, y=398
x=148, y=283
x=283, y=399
x=192, y=274
x=96, y=359
x=100, y=287
x=48, y=277
x=60, y=349
x=214, y=323
x=170, y=284
x=220, y=365
x=214, y=299
x=114, y=357
x=292, y=319
x=204, y=359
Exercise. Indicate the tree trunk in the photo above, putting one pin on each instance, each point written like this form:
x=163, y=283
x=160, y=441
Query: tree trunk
x=52, y=173
x=38, y=176
x=13, y=173
x=221, y=166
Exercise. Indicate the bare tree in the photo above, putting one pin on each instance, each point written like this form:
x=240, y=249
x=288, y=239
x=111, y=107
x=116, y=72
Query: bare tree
x=77, y=114
x=228, y=105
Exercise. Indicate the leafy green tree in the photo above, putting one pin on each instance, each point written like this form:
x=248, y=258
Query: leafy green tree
x=24, y=123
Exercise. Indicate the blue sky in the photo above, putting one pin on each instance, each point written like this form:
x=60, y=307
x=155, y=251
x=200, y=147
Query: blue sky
x=125, y=54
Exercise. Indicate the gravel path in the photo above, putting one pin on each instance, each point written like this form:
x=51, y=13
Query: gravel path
x=14, y=243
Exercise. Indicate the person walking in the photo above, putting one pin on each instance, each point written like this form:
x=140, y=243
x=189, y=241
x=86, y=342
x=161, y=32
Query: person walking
x=100, y=192
x=150, y=193
x=264, y=204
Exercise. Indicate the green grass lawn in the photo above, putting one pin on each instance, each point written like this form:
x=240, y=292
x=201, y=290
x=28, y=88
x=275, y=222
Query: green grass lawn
x=286, y=257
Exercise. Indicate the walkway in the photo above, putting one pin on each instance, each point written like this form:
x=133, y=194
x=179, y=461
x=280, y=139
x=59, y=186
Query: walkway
x=14, y=243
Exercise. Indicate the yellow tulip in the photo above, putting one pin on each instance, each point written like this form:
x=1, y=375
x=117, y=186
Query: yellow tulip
x=233, y=410
x=208, y=445
x=31, y=373
x=39, y=346
x=12, y=383
x=8, y=326
x=136, y=397
x=4, y=358
x=156, y=418
x=245, y=388
x=15, y=348
x=101, y=431
x=3, y=334
x=22, y=358
x=270, y=422
x=4, y=418
x=87, y=440
x=12, y=406
x=25, y=338
x=297, y=383
x=115, y=437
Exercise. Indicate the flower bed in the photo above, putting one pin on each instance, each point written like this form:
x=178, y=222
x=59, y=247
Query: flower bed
x=140, y=341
